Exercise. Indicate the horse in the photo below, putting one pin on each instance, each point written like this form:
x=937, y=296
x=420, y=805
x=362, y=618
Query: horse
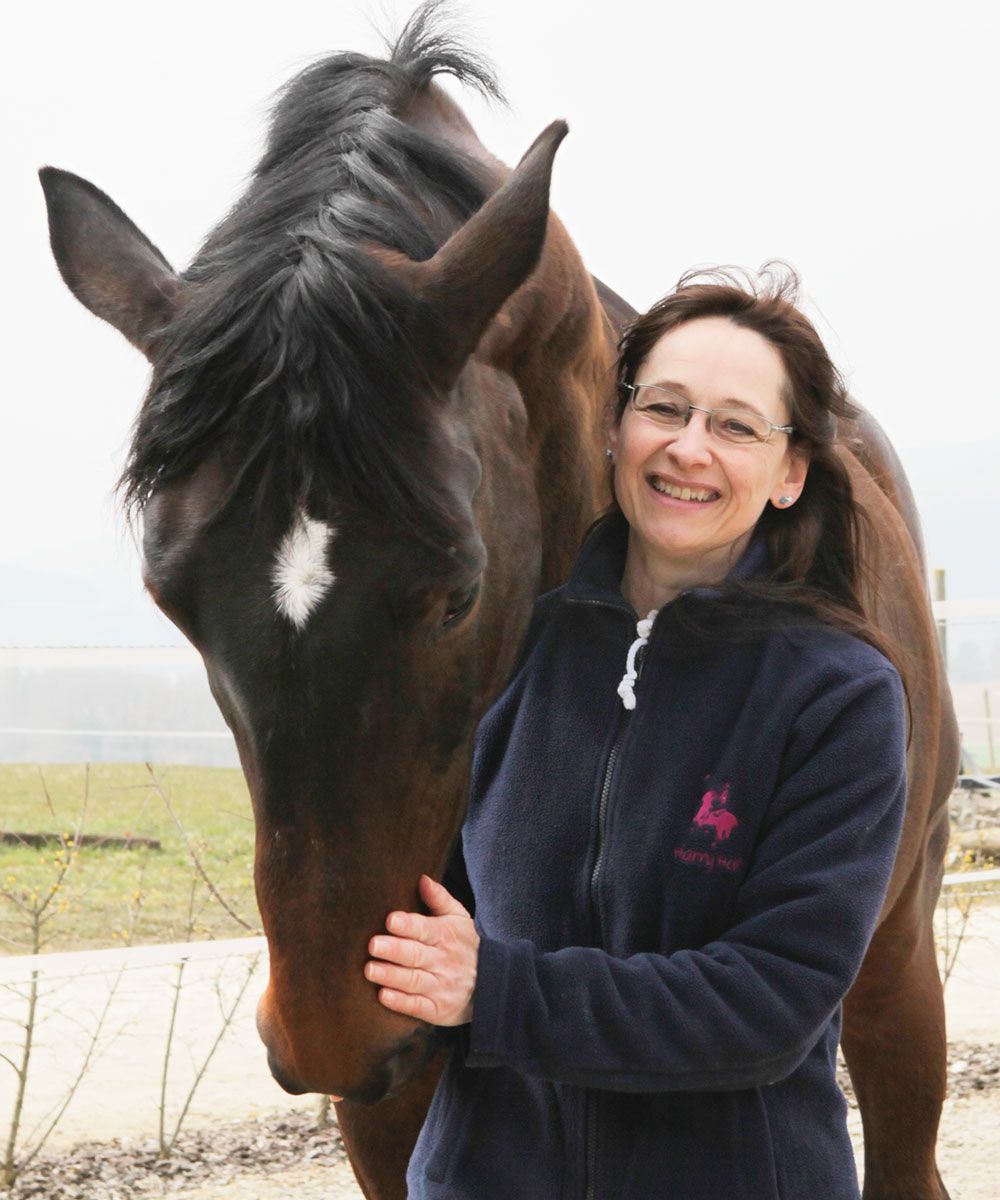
x=374, y=431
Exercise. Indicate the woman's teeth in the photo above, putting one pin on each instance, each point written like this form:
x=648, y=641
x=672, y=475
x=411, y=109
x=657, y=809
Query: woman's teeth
x=683, y=493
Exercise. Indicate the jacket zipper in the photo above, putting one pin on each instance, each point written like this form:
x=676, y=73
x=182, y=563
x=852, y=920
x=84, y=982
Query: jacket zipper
x=591, y=1142
x=602, y=816
x=602, y=808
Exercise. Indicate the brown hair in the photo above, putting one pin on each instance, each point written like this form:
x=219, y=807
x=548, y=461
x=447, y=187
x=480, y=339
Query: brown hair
x=816, y=547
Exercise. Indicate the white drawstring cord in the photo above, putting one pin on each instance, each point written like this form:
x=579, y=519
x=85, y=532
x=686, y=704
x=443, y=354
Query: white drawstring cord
x=626, y=689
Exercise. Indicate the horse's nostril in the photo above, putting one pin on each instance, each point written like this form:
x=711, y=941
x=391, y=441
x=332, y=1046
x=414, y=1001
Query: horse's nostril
x=411, y=1055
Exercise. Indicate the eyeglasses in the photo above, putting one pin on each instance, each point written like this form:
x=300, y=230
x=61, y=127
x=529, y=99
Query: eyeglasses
x=729, y=424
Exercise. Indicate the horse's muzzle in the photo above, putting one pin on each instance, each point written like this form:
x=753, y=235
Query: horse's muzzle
x=381, y=1080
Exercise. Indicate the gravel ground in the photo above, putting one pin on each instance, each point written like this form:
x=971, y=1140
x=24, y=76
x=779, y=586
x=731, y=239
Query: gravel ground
x=279, y=1158
x=971, y=1069
x=217, y=1156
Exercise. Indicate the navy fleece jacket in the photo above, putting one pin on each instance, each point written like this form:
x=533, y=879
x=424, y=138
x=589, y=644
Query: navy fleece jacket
x=672, y=903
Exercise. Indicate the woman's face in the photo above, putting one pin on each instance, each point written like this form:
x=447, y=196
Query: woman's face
x=711, y=362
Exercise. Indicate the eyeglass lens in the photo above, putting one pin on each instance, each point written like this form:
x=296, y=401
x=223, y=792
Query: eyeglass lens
x=674, y=412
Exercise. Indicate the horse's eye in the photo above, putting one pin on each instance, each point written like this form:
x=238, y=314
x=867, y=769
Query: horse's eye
x=460, y=604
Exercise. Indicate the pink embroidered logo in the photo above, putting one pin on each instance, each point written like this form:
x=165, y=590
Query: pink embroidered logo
x=714, y=815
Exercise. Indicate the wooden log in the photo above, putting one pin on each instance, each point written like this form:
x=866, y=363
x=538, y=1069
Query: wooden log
x=38, y=841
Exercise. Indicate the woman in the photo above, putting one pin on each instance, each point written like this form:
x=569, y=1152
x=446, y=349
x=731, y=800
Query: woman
x=681, y=827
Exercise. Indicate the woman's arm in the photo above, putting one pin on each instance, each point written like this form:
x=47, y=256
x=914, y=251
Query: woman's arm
x=744, y=1010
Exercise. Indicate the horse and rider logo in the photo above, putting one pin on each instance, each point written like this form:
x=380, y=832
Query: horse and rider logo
x=713, y=814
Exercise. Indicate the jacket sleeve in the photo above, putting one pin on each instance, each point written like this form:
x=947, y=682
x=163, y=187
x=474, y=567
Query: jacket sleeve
x=743, y=1010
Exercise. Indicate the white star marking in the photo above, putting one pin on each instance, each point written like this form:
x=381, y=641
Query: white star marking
x=300, y=574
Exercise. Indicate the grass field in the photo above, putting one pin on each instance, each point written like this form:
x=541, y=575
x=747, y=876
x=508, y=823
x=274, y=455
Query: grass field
x=109, y=896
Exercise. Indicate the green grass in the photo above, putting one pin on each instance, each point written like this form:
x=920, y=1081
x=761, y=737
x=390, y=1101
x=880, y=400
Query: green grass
x=111, y=896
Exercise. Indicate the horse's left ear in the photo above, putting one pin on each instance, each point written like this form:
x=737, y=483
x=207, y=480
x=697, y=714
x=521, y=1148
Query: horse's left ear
x=465, y=283
x=108, y=263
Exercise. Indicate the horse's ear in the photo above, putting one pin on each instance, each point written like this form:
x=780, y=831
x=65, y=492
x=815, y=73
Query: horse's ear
x=486, y=260
x=107, y=262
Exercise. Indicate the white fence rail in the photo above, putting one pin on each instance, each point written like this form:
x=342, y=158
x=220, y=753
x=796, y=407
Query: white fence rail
x=77, y=964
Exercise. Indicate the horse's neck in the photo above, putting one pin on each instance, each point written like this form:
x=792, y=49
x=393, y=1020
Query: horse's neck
x=433, y=111
x=554, y=338
x=866, y=440
x=559, y=290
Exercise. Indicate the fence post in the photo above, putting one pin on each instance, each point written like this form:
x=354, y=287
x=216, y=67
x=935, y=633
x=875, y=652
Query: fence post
x=942, y=627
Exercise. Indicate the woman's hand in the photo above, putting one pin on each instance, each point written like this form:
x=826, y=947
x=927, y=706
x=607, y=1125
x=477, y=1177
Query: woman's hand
x=428, y=969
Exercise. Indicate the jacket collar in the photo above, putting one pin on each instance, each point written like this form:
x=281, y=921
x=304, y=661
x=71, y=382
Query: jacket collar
x=596, y=576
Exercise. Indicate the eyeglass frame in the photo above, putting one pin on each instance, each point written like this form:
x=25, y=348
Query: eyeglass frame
x=632, y=388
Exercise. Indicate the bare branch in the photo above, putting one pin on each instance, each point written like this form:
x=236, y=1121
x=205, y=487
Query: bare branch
x=227, y=1020
x=45, y=792
x=16, y=901
x=10, y=1062
x=164, y=1147
x=84, y=1068
x=68, y=850
x=194, y=854
x=228, y=812
x=953, y=943
x=10, y=1167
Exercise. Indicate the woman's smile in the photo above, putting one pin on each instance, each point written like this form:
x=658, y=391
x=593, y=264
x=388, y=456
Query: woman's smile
x=683, y=495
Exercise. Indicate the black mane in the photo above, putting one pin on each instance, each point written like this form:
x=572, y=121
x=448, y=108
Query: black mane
x=293, y=345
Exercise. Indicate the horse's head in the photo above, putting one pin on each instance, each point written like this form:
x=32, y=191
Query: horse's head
x=338, y=512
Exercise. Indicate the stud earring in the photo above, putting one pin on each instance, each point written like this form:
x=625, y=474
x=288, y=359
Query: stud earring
x=609, y=454
x=785, y=500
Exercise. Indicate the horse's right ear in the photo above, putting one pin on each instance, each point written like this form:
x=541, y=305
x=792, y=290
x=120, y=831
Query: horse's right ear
x=477, y=269
x=107, y=262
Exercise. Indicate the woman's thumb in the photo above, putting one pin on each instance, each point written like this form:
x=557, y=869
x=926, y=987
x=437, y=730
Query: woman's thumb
x=438, y=899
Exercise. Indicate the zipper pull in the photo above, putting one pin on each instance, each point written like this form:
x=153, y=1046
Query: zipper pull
x=626, y=689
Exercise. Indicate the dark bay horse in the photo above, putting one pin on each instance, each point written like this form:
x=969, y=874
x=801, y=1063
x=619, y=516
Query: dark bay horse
x=374, y=431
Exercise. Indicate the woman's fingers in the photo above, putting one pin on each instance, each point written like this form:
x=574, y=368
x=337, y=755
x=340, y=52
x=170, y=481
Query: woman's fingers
x=425, y=966
x=413, y=925
x=402, y=979
x=412, y=1006
x=428, y=930
x=399, y=950
x=439, y=900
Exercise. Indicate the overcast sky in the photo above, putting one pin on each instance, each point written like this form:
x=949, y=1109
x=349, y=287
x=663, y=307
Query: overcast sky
x=858, y=141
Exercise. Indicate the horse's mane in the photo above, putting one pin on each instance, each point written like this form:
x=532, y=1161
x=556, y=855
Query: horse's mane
x=293, y=343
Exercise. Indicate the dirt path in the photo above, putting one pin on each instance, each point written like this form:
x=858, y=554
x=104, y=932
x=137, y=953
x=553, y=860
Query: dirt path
x=300, y=1183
